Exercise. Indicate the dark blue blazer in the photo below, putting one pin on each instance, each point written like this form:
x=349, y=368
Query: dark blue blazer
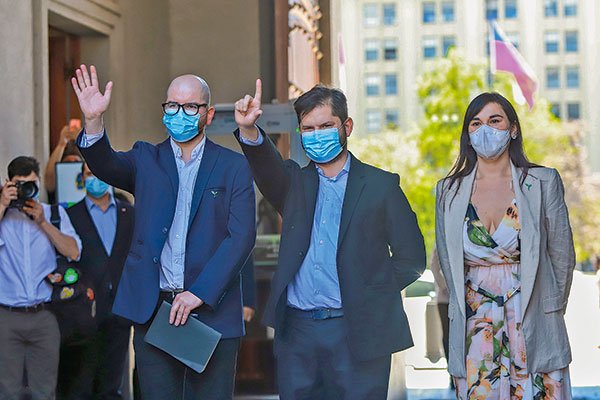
x=380, y=247
x=221, y=230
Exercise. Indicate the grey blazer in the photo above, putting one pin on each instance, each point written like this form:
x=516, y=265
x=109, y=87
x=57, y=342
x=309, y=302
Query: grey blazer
x=547, y=263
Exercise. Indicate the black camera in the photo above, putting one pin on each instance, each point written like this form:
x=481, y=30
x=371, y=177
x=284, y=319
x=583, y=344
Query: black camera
x=25, y=190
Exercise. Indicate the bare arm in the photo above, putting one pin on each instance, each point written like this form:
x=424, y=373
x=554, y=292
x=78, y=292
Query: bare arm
x=66, y=135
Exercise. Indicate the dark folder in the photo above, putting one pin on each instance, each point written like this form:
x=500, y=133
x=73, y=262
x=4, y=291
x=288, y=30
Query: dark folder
x=192, y=343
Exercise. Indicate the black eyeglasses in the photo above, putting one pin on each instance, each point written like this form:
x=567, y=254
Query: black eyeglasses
x=172, y=108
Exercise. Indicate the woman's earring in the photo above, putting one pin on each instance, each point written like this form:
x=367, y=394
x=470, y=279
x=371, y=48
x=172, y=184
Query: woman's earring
x=514, y=136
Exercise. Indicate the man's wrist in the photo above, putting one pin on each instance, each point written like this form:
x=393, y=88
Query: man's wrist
x=250, y=133
x=94, y=125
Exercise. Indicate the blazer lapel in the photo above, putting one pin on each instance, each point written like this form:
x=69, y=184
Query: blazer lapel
x=167, y=162
x=528, y=198
x=455, y=209
x=311, y=186
x=120, y=234
x=209, y=159
x=354, y=188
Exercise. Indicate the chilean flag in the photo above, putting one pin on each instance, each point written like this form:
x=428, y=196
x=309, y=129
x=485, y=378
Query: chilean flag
x=505, y=57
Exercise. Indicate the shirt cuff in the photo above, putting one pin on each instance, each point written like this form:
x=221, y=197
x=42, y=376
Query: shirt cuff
x=88, y=140
x=251, y=142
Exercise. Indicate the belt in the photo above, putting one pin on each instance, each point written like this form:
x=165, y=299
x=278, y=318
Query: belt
x=26, y=309
x=168, y=295
x=318, y=313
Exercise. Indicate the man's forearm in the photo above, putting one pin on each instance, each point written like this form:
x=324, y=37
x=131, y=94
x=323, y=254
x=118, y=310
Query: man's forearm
x=2, y=211
x=49, y=176
x=65, y=245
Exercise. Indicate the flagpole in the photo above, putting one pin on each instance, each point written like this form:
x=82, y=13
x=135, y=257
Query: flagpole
x=490, y=74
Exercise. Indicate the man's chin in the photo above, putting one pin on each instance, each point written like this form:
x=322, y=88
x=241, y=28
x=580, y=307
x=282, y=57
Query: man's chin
x=336, y=158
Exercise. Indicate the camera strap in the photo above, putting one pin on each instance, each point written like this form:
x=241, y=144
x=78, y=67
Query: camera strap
x=55, y=216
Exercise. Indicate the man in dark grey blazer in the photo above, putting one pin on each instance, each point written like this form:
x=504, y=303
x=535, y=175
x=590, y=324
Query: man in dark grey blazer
x=350, y=243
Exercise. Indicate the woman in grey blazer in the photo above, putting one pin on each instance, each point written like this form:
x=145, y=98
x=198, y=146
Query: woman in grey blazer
x=506, y=250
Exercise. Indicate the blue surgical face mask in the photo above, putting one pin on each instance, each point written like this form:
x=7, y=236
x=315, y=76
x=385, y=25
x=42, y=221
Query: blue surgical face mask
x=182, y=127
x=322, y=145
x=489, y=143
x=95, y=187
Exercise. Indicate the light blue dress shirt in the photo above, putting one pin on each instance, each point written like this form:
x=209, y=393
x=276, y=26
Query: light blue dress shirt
x=27, y=256
x=172, y=258
x=316, y=284
x=105, y=221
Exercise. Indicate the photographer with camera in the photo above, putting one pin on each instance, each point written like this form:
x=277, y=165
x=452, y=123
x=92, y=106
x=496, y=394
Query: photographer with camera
x=29, y=243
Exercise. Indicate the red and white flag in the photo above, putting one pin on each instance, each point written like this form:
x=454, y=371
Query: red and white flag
x=505, y=57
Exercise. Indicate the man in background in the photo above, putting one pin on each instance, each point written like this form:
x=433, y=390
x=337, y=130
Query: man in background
x=29, y=243
x=93, y=367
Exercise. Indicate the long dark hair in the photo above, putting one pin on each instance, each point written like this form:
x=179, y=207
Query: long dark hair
x=467, y=157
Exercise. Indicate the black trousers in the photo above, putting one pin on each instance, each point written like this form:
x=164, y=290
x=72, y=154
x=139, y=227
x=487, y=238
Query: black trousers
x=94, y=368
x=314, y=362
x=163, y=377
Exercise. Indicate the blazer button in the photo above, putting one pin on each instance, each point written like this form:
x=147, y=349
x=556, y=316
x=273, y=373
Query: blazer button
x=300, y=254
x=155, y=260
x=292, y=227
x=165, y=230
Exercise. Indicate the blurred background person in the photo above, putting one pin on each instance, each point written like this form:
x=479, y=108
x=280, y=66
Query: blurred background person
x=93, y=367
x=29, y=243
x=65, y=151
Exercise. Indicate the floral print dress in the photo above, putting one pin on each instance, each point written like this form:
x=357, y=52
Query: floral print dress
x=496, y=358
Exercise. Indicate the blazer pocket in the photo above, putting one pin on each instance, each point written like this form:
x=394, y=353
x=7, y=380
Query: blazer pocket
x=553, y=303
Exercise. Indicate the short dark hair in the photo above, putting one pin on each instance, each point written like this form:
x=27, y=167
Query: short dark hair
x=322, y=95
x=71, y=150
x=23, y=166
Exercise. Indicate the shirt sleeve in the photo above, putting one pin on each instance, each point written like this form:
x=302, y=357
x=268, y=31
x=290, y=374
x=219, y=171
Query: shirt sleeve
x=250, y=142
x=66, y=227
x=88, y=140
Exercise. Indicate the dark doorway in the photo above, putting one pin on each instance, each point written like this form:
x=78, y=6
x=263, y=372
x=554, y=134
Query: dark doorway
x=64, y=54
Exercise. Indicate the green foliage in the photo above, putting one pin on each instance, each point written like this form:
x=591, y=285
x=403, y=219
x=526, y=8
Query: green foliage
x=425, y=155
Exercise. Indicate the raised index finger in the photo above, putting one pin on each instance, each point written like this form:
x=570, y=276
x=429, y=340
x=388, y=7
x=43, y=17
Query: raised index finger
x=258, y=92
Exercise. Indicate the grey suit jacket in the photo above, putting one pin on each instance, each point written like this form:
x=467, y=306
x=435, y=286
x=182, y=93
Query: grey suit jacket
x=547, y=263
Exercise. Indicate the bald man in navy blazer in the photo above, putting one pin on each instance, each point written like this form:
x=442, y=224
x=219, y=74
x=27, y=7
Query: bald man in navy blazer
x=194, y=229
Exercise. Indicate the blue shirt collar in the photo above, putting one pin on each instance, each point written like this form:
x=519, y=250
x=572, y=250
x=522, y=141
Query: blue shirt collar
x=196, y=153
x=90, y=204
x=345, y=170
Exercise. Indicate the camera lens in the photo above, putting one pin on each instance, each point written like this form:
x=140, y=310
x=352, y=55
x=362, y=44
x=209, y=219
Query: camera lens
x=27, y=190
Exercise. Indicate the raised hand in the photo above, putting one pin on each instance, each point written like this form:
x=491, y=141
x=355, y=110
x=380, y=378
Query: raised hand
x=247, y=110
x=92, y=103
